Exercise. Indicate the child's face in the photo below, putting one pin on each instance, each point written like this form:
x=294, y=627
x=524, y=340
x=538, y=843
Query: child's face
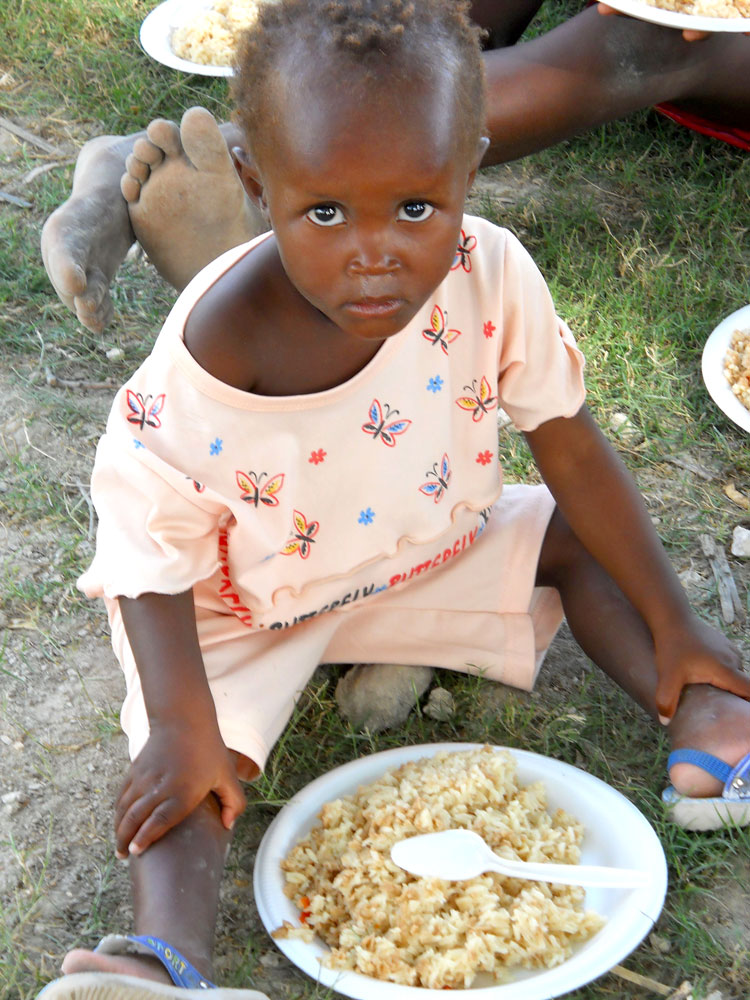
x=365, y=192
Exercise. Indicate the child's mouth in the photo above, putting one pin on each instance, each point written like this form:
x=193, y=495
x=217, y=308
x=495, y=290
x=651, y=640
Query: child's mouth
x=374, y=308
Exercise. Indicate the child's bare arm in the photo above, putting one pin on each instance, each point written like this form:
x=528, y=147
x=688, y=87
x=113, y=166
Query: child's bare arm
x=601, y=503
x=185, y=758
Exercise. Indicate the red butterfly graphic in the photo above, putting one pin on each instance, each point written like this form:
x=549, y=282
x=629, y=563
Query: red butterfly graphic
x=379, y=427
x=437, y=334
x=463, y=251
x=254, y=491
x=142, y=411
x=436, y=488
x=198, y=487
x=481, y=402
x=302, y=540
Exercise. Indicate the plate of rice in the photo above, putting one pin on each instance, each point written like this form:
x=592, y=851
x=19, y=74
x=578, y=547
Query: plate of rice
x=197, y=36
x=726, y=366
x=696, y=15
x=341, y=911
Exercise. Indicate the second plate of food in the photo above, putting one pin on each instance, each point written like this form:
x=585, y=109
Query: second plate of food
x=706, y=20
x=713, y=363
x=615, y=834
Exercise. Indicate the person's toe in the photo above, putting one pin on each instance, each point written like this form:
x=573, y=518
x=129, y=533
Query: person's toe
x=166, y=135
x=203, y=142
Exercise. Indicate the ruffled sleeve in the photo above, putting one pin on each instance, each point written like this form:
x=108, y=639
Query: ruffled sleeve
x=540, y=373
x=156, y=532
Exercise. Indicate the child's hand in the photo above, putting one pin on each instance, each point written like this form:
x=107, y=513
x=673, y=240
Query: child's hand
x=696, y=654
x=170, y=777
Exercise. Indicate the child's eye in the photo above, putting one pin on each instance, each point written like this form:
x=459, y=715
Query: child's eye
x=415, y=211
x=325, y=215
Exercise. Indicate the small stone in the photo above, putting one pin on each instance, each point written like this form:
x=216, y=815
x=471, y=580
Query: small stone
x=440, y=705
x=659, y=943
x=378, y=696
x=621, y=425
x=115, y=354
x=741, y=541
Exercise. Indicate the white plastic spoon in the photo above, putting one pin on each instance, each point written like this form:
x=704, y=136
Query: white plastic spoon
x=461, y=854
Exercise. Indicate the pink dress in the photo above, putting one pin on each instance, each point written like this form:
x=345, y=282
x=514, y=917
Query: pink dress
x=303, y=522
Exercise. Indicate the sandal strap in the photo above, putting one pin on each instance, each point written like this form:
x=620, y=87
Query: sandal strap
x=736, y=779
x=181, y=971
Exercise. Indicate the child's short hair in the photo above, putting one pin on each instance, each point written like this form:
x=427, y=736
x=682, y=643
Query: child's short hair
x=409, y=38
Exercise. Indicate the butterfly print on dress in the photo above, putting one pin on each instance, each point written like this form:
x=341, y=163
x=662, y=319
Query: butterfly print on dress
x=381, y=426
x=255, y=491
x=436, y=487
x=302, y=539
x=143, y=411
x=437, y=333
x=463, y=252
x=482, y=400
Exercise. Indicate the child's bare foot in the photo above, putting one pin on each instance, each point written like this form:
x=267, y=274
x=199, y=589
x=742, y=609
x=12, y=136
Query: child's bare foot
x=81, y=960
x=712, y=720
x=186, y=202
x=85, y=240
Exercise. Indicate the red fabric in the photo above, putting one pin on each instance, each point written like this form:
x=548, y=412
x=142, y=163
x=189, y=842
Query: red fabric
x=734, y=136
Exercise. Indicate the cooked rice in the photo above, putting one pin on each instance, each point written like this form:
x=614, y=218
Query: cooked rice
x=737, y=366
x=210, y=36
x=705, y=8
x=383, y=922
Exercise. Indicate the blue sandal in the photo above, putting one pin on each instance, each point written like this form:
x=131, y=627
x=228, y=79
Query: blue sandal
x=731, y=808
x=188, y=982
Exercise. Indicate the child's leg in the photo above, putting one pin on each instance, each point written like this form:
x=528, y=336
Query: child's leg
x=612, y=633
x=175, y=897
x=186, y=203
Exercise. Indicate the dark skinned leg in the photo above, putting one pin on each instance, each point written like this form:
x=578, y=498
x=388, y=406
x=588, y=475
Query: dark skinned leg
x=593, y=69
x=612, y=634
x=175, y=896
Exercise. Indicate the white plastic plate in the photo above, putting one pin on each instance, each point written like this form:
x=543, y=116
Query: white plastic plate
x=156, y=36
x=672, y=19
x=616, y=834
x=712, y=365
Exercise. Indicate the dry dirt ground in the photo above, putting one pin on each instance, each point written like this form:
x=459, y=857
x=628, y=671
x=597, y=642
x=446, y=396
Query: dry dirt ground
x=61, y=753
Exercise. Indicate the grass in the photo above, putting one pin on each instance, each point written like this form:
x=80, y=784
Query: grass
x=638, y=229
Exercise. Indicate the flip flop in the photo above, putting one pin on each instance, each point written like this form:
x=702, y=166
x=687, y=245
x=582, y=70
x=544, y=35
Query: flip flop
x=188, y=982
x=731, y=808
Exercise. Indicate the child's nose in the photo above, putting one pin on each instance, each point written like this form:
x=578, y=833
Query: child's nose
x=373, y=254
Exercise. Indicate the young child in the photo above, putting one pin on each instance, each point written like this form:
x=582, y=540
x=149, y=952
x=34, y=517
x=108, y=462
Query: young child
x=305, y=469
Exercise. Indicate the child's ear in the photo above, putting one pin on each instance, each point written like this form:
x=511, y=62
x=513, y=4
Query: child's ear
x=482, y=146
x=249, y=176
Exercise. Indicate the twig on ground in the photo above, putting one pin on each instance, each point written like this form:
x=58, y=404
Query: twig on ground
x=729, y=599
x=75, y=383
x=13, y=199
x=43, y=168
x=639, y=980
x=27, y=136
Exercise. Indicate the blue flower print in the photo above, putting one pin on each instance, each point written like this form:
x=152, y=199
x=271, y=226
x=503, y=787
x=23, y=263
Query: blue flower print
x=138, y=444
x=435, y=384
x=215, y=447
x=366, y=516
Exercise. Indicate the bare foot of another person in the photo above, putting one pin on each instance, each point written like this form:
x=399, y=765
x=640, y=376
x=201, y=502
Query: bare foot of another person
x=186, y=202
x=86, y=239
